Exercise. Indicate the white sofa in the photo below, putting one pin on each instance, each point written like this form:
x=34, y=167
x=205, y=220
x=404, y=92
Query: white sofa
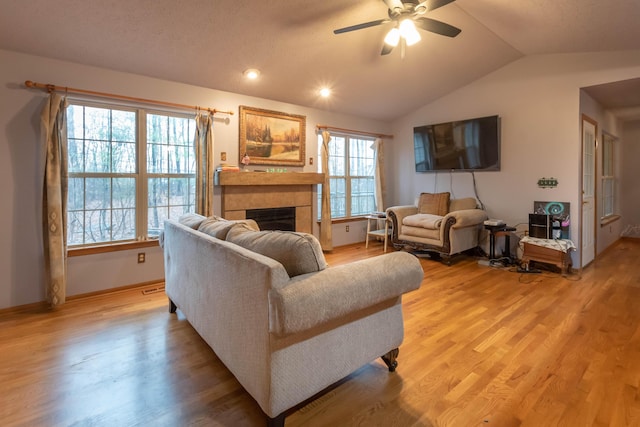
x=286, y=329
x=446, y=228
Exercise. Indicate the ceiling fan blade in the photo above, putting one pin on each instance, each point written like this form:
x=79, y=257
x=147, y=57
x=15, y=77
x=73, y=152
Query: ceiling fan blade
x=361, y=26
x=434, y=4
x=393, y=4
x=437, y=27
x=386, y=49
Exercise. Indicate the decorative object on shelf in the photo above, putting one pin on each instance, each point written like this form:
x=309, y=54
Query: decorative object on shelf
x=245, y=160
x=556, y=221
x=547, y=182
x=272, y=138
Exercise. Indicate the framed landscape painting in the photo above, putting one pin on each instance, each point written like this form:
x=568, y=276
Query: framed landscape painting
x=272, y=138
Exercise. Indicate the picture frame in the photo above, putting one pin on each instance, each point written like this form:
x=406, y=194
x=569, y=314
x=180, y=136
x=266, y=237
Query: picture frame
x=272, y=137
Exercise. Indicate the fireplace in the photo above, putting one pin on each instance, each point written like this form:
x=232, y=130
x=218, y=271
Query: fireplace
x=242, y=192
x=274, y=218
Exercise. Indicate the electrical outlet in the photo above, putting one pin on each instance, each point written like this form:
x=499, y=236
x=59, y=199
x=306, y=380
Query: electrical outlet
x=141, y=257
x=223, y=156
x=347, y=229
x=310, y=160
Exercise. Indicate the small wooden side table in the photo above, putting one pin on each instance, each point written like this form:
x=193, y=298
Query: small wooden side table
x=550, y=251
x=381, y=232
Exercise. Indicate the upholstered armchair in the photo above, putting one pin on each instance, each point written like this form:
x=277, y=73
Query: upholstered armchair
x=436, y=224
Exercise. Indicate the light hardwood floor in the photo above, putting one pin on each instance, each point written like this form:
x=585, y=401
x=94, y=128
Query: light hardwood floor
x=482, y=347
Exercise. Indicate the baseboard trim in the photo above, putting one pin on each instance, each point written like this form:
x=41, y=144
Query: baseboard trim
x=44, y=306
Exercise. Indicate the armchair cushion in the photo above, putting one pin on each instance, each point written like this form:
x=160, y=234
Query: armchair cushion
x=462, y=204
x=434, y=203
x=428, y=221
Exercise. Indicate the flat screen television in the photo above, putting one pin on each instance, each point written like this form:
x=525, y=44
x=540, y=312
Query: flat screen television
x=465, y=145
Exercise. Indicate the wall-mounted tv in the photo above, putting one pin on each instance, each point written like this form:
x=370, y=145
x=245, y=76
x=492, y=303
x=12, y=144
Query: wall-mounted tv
x=465, y=145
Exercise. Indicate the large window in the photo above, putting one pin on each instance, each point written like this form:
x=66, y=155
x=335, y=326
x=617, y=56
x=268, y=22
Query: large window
x=608, y=176
x=129, y=170
x=351, y=174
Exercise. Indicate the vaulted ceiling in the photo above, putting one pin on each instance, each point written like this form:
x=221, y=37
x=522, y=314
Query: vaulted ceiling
x=209, y=43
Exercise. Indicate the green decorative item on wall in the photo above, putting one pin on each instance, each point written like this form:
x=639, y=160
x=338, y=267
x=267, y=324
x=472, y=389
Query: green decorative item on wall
x=547, y=182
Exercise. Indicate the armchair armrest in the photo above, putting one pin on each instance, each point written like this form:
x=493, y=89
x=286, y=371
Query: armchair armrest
x=317, y=298
x=466, y=217
x=402, y=211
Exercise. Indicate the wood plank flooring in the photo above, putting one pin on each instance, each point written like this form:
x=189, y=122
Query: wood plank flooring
x=483, y=347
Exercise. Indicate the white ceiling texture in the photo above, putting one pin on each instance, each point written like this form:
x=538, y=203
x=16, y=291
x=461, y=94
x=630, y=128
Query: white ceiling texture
x=209, y=43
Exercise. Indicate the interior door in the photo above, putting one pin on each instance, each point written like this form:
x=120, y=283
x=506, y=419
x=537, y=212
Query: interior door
x=589, y=132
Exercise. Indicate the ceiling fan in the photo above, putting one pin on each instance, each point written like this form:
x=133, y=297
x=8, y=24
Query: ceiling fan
x=406, y=16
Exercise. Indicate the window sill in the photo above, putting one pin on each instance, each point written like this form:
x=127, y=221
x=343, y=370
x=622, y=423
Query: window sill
x=116, y=247
x=609, y=219
x=343, y=220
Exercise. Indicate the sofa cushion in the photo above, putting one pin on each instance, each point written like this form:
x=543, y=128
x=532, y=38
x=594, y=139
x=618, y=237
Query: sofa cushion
x=462, y=204
x=428, y=221
x=299, y=253
x=192, y=220
x=216, y=227
x=434, y=203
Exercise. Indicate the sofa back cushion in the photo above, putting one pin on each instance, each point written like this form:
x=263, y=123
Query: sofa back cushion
x=192, y=220
x=218, y=227
x=299, y=253
x=462, y=204
x=434, y=203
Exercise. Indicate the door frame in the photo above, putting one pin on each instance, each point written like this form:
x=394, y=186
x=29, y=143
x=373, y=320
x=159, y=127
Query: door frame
x=594, y=122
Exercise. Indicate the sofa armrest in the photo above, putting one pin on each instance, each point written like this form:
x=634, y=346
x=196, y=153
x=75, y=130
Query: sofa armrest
x=466, y=217
x=317, y=298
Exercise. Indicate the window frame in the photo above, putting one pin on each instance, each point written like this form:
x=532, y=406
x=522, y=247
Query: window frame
x=608, y=179
x=140, y=174
x=347, y=176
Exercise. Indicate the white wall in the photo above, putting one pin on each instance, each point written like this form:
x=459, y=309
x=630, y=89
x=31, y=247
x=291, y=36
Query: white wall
x=538, y=100
x=629, y=185
x=21, y=165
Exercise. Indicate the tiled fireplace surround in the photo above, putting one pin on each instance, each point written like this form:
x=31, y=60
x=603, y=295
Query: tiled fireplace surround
x=261, y=190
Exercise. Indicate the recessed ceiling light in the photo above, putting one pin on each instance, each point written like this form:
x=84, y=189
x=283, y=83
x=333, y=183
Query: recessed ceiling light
x=251, y=73
x=325, y=92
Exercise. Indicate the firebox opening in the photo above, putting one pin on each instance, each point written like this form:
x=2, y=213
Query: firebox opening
x=274, y=218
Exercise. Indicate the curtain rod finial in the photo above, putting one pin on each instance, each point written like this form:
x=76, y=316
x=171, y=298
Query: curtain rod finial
x=29, y=83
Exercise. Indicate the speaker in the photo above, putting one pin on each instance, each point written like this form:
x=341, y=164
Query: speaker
x=540, y=226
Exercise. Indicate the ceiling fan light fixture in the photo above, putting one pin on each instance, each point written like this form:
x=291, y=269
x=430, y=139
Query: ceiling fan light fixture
x=393, y=37
x=409, y=32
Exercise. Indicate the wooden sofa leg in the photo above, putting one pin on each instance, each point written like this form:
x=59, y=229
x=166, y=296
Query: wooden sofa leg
x=276, y=422
x=390, y=359
x=172, y=306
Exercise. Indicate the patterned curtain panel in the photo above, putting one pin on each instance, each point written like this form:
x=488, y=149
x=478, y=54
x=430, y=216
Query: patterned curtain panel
x=54, y=203
x=204, y=164
x=326, y=238
x=379, y=174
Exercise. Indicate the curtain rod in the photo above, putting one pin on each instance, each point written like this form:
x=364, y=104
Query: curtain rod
x=379, y=135
x=50, y=88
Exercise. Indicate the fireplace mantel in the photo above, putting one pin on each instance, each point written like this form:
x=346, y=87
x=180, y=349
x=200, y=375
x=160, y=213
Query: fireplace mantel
x=268, y=178
x=259, y=190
